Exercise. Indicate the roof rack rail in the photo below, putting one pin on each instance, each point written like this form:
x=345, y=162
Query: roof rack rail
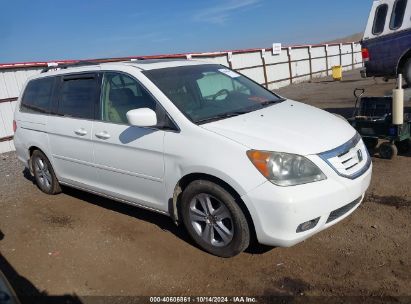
x=69, y=65
x=80, y=63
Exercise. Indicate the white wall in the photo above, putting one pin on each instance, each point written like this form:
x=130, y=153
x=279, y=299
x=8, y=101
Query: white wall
x=294, y=64
x=6, y=125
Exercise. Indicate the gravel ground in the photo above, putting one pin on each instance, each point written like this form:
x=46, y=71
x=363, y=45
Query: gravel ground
x=78, y=245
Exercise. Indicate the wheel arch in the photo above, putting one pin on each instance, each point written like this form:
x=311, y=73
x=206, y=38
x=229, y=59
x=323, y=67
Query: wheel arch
x=33, y=148
x=174, y=202
x=403, y=60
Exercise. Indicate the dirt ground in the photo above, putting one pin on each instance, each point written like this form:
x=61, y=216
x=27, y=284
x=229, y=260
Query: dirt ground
x=78, y=245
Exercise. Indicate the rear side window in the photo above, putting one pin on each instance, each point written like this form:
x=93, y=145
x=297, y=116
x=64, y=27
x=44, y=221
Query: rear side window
x=37, y=96
x=379, y=20
x=398, y=13
x=77, y=97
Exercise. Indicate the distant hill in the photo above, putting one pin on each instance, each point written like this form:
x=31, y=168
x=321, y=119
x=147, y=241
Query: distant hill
x=352, y=38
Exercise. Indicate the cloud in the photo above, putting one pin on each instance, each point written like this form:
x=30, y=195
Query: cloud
x=220, y=13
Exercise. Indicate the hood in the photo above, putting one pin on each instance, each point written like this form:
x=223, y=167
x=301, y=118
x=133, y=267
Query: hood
x=289, y=126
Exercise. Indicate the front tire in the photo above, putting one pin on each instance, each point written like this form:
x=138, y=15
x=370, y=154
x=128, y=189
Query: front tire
x=214, y=220
x=44, y=175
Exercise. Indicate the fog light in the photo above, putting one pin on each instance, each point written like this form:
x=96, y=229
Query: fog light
x=307, y=225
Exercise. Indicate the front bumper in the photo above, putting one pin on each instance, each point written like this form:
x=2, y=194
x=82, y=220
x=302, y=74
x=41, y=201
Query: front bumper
x=277, y=212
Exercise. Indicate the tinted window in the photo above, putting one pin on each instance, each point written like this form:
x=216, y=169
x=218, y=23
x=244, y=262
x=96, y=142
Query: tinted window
x=380, y=17
x=77, y=97
x=398, y=13
x=120, y=94
x=37, y=96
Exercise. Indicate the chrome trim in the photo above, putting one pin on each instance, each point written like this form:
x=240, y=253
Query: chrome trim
x=343, y=149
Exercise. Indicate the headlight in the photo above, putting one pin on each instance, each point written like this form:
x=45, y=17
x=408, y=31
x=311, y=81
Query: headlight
x=285, y=169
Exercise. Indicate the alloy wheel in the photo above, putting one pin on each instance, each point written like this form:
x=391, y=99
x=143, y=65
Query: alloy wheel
x=211, y=220
x=43, y=173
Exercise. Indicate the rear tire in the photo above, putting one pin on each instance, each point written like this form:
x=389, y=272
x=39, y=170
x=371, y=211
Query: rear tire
x=214, y=220
x=44, y=175
x=407, y=72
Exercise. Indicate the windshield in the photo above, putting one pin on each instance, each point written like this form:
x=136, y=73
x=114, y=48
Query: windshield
x=210, y=92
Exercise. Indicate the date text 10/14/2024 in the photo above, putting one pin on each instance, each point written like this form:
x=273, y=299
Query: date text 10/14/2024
x=203, y=299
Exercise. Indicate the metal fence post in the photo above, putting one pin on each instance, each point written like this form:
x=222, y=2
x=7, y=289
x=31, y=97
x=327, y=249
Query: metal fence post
x=326, y=59
x=264, y=68
x=352, y=55
x=340, y=47
x=310, y=61
x=289, y=64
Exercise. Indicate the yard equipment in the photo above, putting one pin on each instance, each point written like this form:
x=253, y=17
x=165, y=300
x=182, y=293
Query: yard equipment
x=383, y=118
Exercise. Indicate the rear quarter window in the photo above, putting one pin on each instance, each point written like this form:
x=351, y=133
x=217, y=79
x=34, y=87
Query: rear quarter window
x=379, y=19
x=398, y=12
x=37, y=96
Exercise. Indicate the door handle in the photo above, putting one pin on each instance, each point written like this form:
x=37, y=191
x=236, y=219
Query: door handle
x=103, y=135
x=80, y=132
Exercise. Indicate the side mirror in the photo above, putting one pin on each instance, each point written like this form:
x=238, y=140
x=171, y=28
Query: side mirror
x=143, y=117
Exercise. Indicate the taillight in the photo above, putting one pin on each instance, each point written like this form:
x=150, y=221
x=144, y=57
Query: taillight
x=14, y=126
x=365, y=54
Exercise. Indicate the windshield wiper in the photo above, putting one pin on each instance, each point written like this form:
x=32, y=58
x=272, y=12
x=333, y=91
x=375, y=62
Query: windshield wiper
x=221, y=116
x=270, y=102
x=236, y=113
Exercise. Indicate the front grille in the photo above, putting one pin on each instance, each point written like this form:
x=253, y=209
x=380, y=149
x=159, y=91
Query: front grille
x=343, y=210
x=349, y=160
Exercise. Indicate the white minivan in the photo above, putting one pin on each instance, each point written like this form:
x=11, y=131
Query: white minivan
x=196, y=141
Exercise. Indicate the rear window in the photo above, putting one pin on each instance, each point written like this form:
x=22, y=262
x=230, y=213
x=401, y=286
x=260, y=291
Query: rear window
x=77, y=97
x=398, y=13
x=379, y=20
x=37, y=96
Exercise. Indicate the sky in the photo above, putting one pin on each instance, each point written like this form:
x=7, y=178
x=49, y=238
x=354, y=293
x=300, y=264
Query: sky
x=55, y=30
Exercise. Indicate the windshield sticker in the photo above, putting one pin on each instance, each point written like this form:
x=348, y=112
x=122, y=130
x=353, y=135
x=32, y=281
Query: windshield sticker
x=230, y=73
